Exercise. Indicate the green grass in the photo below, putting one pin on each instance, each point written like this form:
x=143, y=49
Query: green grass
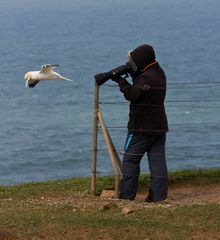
x=198, y=176
x=107, y=182
x=54, y=210
x=156, y=223
x=40, y=188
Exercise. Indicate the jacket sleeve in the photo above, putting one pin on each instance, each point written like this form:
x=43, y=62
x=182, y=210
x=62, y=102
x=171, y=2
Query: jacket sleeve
x=135, y=91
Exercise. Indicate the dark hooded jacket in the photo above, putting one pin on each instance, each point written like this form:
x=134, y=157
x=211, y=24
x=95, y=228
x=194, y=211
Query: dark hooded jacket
x=147, y=94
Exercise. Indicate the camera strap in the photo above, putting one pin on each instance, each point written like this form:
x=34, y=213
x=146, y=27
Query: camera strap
x=153, y=63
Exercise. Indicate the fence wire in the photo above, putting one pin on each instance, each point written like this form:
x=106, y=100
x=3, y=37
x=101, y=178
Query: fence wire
x=193, y=151
x=181, y=85
x=121, y=152
x=102, y=173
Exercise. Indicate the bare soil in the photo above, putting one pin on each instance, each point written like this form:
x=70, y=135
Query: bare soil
x=178, y=196
x=191, y=194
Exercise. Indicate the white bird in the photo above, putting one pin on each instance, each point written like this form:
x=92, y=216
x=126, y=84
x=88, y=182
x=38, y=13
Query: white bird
x=46, y=73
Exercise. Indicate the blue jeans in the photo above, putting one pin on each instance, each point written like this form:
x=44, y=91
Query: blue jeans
x=135, y=147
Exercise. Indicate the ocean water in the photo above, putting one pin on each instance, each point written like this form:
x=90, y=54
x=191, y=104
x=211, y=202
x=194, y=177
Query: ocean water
x=46, y=132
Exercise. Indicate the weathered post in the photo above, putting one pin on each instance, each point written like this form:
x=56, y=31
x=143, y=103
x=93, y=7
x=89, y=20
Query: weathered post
x=95, y=138
x=110, y=148
x=98, y=118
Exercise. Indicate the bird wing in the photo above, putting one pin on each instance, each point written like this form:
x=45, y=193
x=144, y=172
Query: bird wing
x=61, y=77
x=48, y=68
x=31, y=83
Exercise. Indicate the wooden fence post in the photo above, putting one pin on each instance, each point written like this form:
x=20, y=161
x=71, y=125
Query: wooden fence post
x=111, y=151
x=98, y=118
x=95, y=139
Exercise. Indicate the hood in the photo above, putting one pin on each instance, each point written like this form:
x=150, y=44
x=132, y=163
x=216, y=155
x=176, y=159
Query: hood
x=141, y=57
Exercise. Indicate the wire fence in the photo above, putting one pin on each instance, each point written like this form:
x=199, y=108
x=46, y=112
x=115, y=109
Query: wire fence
x=109, y=173
x=121, y=152
x=168, y=105
x=183, y=85
x=192, y=152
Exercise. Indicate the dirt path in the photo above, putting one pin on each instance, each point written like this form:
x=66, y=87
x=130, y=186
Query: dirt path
x=191, y=194
x=83, y=201
x=179, y=195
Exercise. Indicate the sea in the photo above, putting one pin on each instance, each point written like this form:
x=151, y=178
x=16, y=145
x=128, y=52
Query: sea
x=46, y=132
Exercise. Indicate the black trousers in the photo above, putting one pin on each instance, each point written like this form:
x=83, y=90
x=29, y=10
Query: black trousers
x=135, y=147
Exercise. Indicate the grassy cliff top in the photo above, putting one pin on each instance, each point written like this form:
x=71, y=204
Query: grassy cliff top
x=65, y=209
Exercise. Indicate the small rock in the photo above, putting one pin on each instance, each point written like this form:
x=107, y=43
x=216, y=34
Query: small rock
x=127, y=210
x=107, y=194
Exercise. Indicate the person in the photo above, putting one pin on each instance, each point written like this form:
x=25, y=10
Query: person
x=147, y=125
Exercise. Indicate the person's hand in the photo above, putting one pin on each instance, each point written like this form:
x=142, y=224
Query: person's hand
x=116, y=78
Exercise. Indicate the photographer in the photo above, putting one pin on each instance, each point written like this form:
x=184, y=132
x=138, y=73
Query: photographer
x=147, y=124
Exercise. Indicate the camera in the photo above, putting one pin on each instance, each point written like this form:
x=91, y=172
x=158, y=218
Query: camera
x=101, y=78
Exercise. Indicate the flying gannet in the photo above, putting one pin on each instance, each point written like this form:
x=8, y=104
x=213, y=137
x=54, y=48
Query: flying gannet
x=46, y=73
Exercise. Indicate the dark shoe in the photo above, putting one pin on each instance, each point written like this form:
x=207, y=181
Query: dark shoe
x=148, y=199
